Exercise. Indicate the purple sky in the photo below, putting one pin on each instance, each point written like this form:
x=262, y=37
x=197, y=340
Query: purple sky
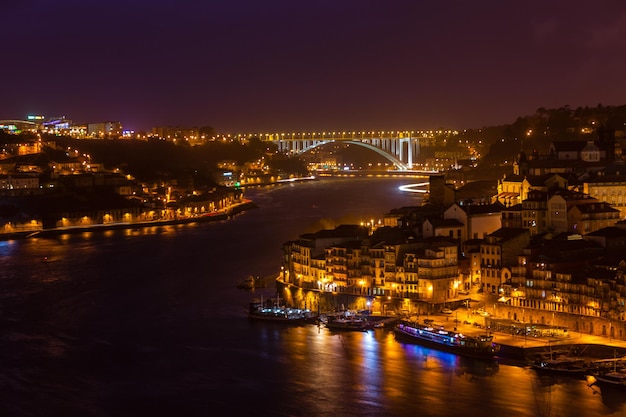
x=246, y=66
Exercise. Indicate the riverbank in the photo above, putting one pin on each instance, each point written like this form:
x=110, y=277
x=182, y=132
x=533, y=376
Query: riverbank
x=219, y=215
x=516, y=348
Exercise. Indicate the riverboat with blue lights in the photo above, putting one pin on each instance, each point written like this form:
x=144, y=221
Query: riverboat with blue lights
x=479, y=347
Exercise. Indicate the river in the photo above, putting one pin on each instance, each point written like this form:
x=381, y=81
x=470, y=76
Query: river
x=149, y=322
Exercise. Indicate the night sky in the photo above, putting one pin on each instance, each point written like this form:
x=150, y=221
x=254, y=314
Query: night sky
x=244, y=66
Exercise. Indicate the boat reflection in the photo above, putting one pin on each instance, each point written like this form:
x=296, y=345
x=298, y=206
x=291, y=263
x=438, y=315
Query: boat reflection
x=612, y=397
x=474, y=369
x=464, y=367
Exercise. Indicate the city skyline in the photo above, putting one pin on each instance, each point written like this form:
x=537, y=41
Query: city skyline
x=326, y=66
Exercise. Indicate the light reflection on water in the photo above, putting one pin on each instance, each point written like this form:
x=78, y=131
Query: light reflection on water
x=6, y=247
x=373, y=374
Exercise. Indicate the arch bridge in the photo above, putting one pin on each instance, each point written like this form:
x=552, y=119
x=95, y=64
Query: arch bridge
x=398, y=147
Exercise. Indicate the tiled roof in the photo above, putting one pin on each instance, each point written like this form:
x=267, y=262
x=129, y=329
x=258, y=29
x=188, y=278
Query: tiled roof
x=569, y=145
x=506, y=233
x=595, y=208
x=482, y=208
x=610, y=231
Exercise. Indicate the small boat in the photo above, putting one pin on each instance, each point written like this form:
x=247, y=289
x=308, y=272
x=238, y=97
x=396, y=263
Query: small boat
x=261, y=282
x=608, y=373
x=479, y=347
x=248, y=283
x=572, y=366
x=348, y=322
x=611, y=379
x=274, y=312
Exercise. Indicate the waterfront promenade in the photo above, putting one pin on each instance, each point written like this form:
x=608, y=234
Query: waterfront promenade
x=221, y=214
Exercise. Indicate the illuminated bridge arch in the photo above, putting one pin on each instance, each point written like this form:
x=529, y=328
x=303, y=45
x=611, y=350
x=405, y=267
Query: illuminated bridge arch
x=399, y=147
x=399, y=164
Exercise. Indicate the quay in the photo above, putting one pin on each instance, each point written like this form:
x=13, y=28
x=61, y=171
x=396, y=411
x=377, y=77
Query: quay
x=523, y=348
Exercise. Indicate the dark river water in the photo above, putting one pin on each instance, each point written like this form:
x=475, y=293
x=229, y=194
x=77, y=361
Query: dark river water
x=149, y=322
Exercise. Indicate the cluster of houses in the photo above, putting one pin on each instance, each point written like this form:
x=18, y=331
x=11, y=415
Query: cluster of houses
x=38, y=194
x=535, y=247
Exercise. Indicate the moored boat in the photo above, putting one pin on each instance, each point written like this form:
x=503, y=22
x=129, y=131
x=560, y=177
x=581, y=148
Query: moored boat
x=277, y=313
x=348, y=322
x=611, y=379
x=570, y=366
x=481, y=347
x=608, y=373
